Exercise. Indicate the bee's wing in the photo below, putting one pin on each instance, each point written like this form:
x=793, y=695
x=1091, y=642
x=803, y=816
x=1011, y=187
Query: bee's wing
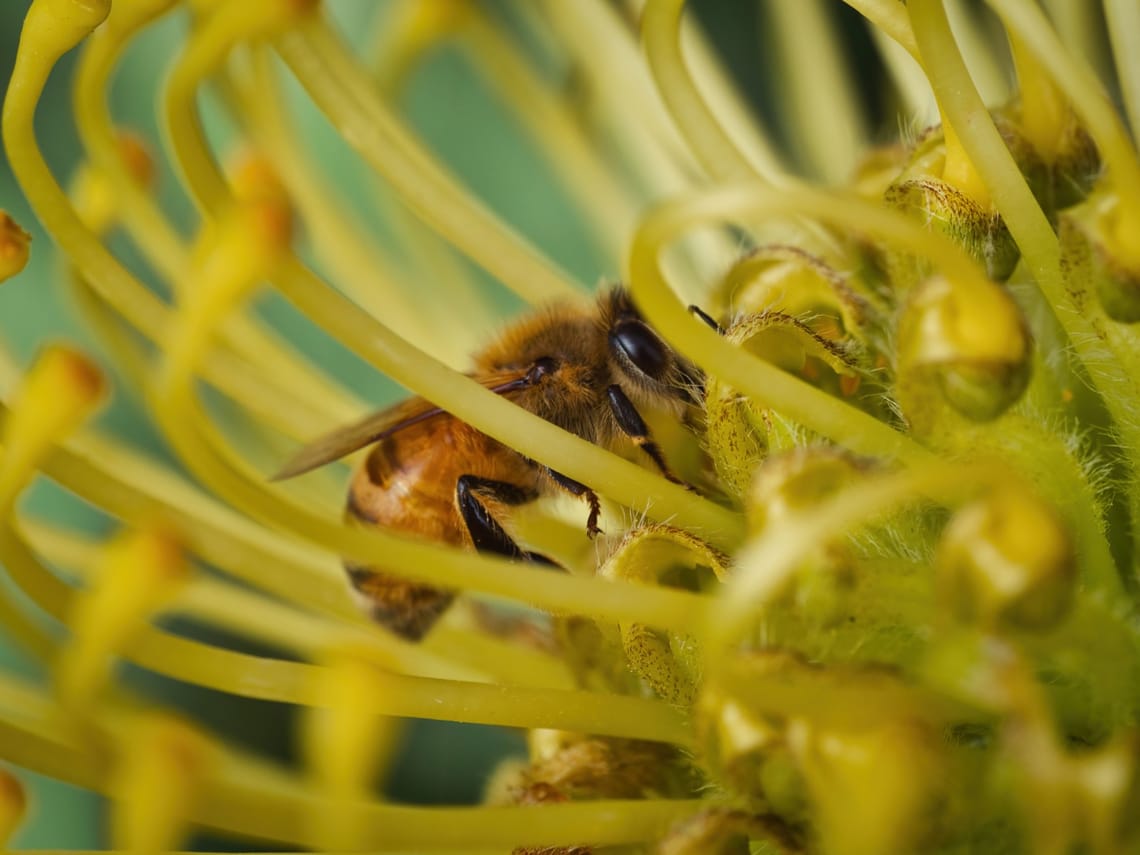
x=345, y=440
x=376, y=426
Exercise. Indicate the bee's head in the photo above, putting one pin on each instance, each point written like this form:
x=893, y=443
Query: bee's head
x=640, y=358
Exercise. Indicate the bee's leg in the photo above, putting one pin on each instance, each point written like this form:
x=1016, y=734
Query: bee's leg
x=580, y=490
x=634, y=426
x=486, y=533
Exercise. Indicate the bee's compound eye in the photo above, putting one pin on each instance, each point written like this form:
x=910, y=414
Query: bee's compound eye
x=642, y=347
x=542, y=366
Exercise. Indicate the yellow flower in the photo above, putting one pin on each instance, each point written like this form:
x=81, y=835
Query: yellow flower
x=895, y=608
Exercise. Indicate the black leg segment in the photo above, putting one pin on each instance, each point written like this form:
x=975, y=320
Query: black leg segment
x=486, y=533
x=576, y=488
x=634, y=426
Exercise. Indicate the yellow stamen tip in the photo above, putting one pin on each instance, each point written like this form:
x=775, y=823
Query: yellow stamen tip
x=339, y=736
x=138, y=573
x=235, y=255
x=346, y=742
x=271, y=222
x=15, y=247
x=789, y=483
x=13, y=804
x=253, y=176
x=256, y=183
x=156, y=784
x=53, y=27
x=137, y=157
x=60, y=391
x=95, y=193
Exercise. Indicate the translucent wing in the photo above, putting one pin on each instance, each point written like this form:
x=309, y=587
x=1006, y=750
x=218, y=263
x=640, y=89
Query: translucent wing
x=376, y=426
x=345, y=440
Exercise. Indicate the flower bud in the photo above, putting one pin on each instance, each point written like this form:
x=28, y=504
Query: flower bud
x=657, y=554
x=1060, y=172
x=15, y=246
x=792, y=482
x=1109, y=780
x=1046, y=121
x=741, y=721
x=1007, y=559
x=746, y=752
x=1096, y=252
x=873, y=789
x=736, y=430
x=878, y=168
x=1073, y=800
x=788, y=280
x=1074, y=171
x=788, y=484
x=921, y=193
x=593, y=652
x=971, y=340
x=740, y=433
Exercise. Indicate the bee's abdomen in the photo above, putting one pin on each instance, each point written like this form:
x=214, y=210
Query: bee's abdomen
x=408, y=483
x=411, y=489
x=407, y=608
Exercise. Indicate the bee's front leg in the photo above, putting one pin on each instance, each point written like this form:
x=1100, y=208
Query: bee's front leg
x=634, y=426
x=576, y=488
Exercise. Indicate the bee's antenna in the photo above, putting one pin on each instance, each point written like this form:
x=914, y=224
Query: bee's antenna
x=698, y=312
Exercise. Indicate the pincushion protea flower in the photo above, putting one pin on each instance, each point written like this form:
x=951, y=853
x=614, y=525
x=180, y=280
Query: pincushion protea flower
x=896, y=613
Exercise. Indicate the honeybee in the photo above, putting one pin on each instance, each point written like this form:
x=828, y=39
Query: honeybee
x=586, y=369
